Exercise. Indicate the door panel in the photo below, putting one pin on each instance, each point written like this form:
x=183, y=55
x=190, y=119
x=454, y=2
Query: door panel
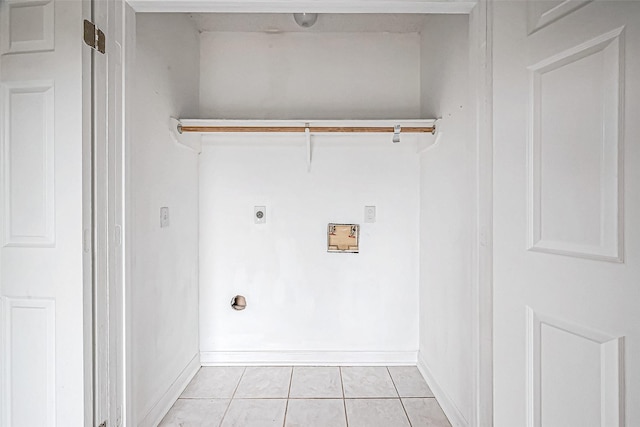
x=41, y=274
x=29, y=193
x=28, y=26
x=543, y=13
x=30, y=356
x=574, y=165
x=566, y=234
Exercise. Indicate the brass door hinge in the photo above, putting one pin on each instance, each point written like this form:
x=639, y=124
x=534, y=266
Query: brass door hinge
x=94, y=37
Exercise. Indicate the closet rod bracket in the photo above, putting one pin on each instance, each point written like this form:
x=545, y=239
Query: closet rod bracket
x=192, y=141
x=396, y=133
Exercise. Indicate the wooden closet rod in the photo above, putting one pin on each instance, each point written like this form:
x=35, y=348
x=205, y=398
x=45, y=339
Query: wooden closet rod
x=312, y=129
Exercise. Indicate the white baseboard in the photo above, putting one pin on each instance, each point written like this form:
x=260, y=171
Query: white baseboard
x=446, y=403
x=298, y=358
x=166, y=401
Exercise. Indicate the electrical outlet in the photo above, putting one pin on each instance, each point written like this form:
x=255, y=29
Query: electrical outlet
x=260, y=214
x=164, y=217
x=369, y=214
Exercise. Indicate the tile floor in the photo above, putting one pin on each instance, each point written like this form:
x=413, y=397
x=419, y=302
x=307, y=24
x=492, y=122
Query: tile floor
x=306, y=396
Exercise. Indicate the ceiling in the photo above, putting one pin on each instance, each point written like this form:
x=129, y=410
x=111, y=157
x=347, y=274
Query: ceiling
x=333, y=22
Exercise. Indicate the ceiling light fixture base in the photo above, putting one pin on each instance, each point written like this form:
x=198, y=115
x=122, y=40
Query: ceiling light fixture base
x=305, y=20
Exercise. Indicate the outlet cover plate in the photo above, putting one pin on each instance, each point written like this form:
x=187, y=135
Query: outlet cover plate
x=260, y=214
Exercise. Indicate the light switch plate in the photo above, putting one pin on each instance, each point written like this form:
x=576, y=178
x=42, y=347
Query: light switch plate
x=260, y=214
x=164, y=217
x=369, y=214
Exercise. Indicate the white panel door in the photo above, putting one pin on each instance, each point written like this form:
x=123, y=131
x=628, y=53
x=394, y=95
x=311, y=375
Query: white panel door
x=566, y=213
x=41, y=205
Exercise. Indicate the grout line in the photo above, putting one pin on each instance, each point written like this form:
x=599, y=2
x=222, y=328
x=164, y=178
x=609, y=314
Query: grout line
x=232, y=396
x=401, y=402
x=344, y=402
x=374, y=398
x=203, y=398
x=307, y=398
x=290, y=382
x=286, y=408
x=393, y=381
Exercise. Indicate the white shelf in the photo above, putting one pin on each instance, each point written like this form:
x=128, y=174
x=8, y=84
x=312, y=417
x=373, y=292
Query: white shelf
x=193, y=132
x=311, y=123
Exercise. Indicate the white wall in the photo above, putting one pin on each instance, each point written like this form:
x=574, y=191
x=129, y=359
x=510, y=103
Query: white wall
x=301, y=299
x=310, y=75
x=164, y=271
x=447, y=206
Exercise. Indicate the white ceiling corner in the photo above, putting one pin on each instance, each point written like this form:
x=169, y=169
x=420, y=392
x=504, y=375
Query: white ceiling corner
x=277, y=23
x=312, y=6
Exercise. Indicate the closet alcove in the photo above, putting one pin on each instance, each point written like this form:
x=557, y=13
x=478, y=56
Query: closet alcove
x=403, y=299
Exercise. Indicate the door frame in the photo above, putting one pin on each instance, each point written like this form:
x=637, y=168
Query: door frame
x=103, y=208
x=480, y=55
x=481, y=68
x=87, y=221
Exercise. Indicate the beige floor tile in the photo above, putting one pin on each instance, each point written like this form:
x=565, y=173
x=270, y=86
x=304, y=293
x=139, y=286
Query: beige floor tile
x=376, y=413
x=214, y=382
x=316, y=413
x=314, y=382
x=367, y=381
x=265, y=382
x=196, y=413
x=409, y=382
x=425, y=412
x=255, y=413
